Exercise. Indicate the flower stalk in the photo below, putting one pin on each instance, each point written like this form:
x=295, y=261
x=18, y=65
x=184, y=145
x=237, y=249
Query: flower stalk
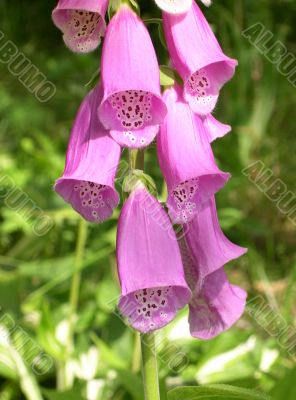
x=149, y=367
x=136, y=159
x=75, y=285
x=64, y=381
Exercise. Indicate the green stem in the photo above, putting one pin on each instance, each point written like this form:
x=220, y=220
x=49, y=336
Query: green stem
x=136, y=159
x=149, y=367
x=75, y=285
x=64, y=382
x=136, y=361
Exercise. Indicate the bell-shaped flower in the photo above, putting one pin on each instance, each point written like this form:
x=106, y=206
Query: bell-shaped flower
x=174, y=6
x=216, y=306
x=214, y=128
x=91, y=163
x=132, y=106
x=209, y=248
x=82, y=23
x=186, y=160
x=153, y=285
x=198, y=58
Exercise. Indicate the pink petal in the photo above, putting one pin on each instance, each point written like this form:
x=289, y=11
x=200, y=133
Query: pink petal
x=214, y=128
x=91, y=164
x=130, y=76
x=186, y=160
x=209, y=247
x=198, y=57
x=216, y=307
x=150, y=268
x=82, y=23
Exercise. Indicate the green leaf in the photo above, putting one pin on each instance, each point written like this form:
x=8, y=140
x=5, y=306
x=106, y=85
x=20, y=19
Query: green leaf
x=167, y=77
x=285, y=388
x=230, y=217
x=222, y=392
x=73, y=394
x=133, y=179
x=135, y=6
x=65, y=273
x=7, y=366
x=108, y=355
x=132, y=383
x=153, y=21
x=236, y=363
x=9, y=391
x=114, y=5
x=93, y=80
x=161, y=36
x=46, y=333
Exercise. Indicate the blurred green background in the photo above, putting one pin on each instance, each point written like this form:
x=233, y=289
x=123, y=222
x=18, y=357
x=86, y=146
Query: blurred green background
x=35, y=272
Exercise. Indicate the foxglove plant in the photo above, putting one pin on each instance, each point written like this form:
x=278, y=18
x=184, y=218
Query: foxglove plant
x=159, y=273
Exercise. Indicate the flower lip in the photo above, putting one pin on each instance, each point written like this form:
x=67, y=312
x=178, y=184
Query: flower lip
x=216, y=307
x=207, y=246
x=152, y=308
x=135, y=139
x=187, y=198
x=201, y=89
x=131, y=110
x=215, y=129
x=81, y=22
x=94, y=201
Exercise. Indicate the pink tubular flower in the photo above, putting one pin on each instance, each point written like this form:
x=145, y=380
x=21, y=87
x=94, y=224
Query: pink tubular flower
x=209, y=247
x=132, y=107
x=214, y=128
x=153, y=285
x=82, y=23
x=215, y=304
x=186, y=160
x=198, y=58
x=92, y=159
x=174, y=6
x=216, y=307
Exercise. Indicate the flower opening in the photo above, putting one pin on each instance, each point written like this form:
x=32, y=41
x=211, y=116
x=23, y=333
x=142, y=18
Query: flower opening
x=82, y=23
